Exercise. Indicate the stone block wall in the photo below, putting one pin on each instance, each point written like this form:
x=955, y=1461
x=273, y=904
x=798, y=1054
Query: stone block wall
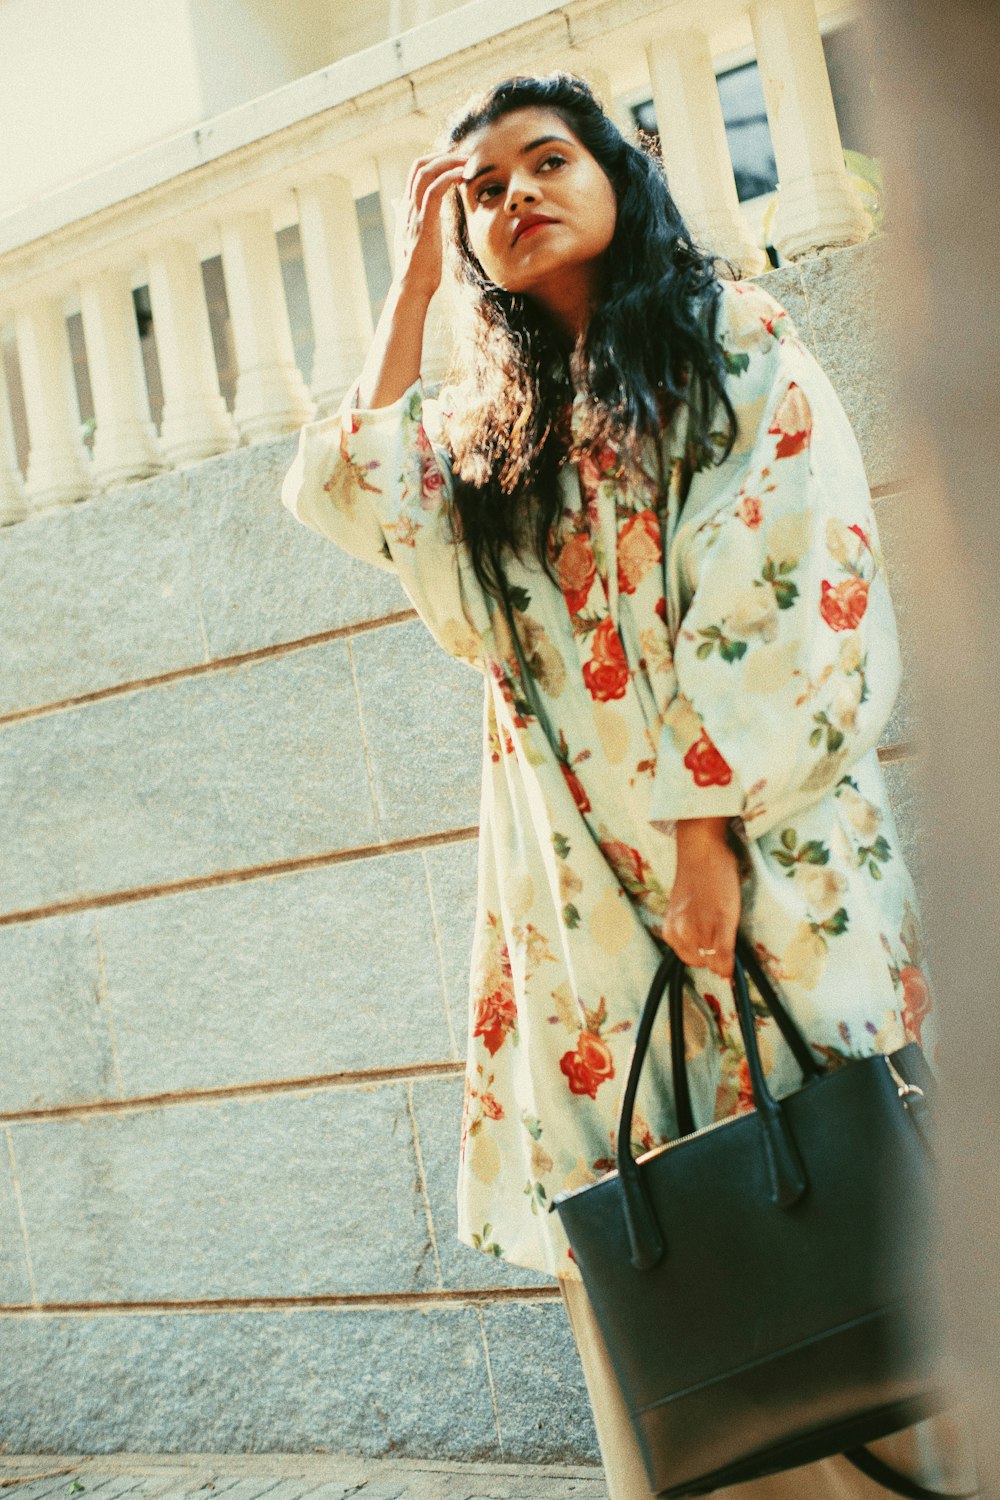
x=238, y=798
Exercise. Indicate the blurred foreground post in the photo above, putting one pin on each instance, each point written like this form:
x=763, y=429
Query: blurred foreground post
x=939, y=112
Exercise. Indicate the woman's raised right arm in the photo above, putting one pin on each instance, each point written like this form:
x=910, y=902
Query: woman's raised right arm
x=370, y=478
x=393, y=362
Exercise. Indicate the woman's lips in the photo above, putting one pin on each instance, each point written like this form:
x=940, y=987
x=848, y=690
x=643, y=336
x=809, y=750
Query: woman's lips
x=523, y=233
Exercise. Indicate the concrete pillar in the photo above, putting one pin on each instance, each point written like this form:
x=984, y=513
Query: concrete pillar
x=12, y=506
x=695, y=149
x=58, y=466
x=338, y=290
x=817, y=205
x=271, y=396
x=195, y=422
x=125, y=440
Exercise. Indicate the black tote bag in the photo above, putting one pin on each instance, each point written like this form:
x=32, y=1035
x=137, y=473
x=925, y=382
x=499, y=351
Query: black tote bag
x=761, y=1284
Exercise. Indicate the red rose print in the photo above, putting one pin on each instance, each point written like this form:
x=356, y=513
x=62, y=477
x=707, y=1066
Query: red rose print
x=792, y=423
x=589, y=1066
x=577, y=570
x=843, y=604
x=750, y=512
x=706, y=764
x=660, y=608
x=639, y=549
x=606, y=674
x=496, y=1016
x=744, y=1099
x=432, y=483
x=576, y=787
x=491, y=1106
x=716, y=1010
x=916, y=1001
x=627, y=863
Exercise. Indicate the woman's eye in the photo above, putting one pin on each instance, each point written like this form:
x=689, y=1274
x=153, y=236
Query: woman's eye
x=490, y=189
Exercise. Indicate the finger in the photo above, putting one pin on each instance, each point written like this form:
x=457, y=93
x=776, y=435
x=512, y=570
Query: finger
x=420, y=162
x=427, y=171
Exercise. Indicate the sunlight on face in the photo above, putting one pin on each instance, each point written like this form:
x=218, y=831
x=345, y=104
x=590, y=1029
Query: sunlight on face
x=540, y=210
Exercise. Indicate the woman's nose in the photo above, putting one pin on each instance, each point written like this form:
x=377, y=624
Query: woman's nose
x=518, y=194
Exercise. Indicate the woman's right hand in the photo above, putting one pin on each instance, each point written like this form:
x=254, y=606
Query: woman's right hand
x=418, y=256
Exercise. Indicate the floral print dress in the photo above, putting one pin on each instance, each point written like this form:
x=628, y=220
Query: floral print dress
x=732, y=656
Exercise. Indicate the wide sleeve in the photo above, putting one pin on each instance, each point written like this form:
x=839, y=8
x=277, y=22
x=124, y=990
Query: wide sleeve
x=374, y=482
x=786, y=652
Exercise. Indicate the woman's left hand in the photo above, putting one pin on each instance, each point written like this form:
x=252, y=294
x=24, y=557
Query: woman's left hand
x=703, y=914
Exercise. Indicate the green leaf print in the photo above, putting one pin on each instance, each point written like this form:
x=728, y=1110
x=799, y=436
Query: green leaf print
x=834, y=925
x=834, y=737
x=532, y=1125
x=735, y=364
x=536, y=1195
x=812, y=852
x=785, y=592
x=486, y=1243
x=874, y=856
x=520, y=598
x=729, y=650
x=560, y=844
x=571, y=915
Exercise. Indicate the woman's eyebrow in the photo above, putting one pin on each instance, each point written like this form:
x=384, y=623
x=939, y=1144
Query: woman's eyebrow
x=542, y=140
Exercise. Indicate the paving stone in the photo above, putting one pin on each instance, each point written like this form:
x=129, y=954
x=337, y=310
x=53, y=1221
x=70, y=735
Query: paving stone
x=417, y=1480
x=263, y=576
x=422, y=716
x=233, y=768
x=367, y=1382
x=97, y=594
x=268, y=1195
x=311, y=972
x=57, y=1044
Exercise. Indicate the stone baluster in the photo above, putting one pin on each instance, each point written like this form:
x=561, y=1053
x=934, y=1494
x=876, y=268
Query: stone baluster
x=12, y=506
x=393, y=169
x=125, y=445
x=338, y=291
x=195, y=422
x=271, y=396
x=694, y=146
x=817, y=205
x=58, y=466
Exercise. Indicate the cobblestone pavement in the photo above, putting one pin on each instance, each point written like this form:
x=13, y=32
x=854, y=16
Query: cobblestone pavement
x=282, y=1476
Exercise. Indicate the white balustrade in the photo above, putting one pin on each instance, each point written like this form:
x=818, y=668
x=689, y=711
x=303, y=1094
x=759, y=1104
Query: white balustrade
x=694, y=147
x=125, y=444
x=195, y=421
x=271, y=396
x=817, y=205
x=338, y=289
x=58, y=466
x=350, y=134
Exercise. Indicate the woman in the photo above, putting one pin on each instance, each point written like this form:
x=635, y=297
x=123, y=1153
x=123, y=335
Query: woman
x=639, y=509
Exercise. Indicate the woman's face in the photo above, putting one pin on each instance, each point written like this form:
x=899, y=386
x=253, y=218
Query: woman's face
x=538, y=206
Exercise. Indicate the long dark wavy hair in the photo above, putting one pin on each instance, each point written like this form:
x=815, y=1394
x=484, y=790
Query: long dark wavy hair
x=649, y=346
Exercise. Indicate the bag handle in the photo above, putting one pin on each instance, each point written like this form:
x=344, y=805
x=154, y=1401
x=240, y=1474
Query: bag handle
x=786, y=1173
x=799, y=1047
